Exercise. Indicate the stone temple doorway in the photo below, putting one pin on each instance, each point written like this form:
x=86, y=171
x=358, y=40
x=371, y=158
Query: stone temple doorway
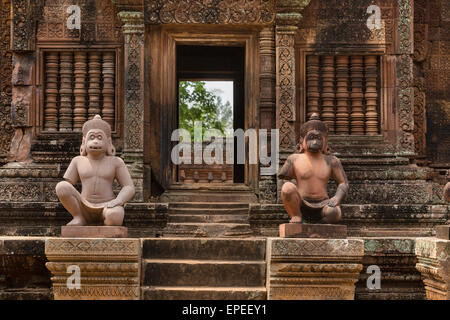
x=210, y=99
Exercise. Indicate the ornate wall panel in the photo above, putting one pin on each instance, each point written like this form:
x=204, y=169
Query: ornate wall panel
x=344, y=22
x=432, y=80
x=6, y=130
x=99, y=21
x=209, y=11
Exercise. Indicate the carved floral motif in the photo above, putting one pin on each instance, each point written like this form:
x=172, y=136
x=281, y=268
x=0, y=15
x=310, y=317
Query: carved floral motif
x=99, y=21
x=209, y=11
x=6, y=130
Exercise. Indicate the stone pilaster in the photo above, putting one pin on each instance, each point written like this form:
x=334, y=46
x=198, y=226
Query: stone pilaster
x=133, y=29
x=404, y=84
x=313, y=269
x=108, y=268
x=433, y=262
x=285, y=86
x=286, y=26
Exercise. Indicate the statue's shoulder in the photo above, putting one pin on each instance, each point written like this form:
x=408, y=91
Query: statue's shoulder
x=78, y=159
x=332, y=160
x=118, y=161
x=295, y=156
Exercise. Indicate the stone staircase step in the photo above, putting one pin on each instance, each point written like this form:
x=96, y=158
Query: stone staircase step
x=208, y=205
x=203, y=293
x=212, y=230
x=208, y=249
x=201, y=218
x=206, y=273
x=221, y=211
x=209, y=196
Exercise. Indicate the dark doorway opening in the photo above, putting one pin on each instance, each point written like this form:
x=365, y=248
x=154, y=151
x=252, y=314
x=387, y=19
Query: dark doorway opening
x=213, y=63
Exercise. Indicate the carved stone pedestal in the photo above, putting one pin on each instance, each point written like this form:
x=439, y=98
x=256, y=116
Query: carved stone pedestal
x=108, y=268
x=94, y=232
x=305, y=230
x=313, y=269
x=433, y=262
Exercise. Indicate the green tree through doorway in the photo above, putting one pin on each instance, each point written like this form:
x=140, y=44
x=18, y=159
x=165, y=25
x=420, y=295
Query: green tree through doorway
x=198, y=103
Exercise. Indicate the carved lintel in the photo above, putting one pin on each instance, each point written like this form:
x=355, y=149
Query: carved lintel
x=210, y=12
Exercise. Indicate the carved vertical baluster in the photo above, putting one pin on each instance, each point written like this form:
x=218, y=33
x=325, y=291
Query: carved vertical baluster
x=327, y=74
x=94, y=83
x=108, y=88
x=342, y=95
x=312, y=75
x=357, y=95
x=65, y=91
x=51, y=91
x=80, y=91
x=371, y=95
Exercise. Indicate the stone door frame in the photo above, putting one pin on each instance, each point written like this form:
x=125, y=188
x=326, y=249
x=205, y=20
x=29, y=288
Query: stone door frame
x=161, y=86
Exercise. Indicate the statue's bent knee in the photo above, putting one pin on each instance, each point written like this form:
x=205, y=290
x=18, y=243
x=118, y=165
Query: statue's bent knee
x=64, y=189
x=331, y=214
x=288, y=189
x=114, y=216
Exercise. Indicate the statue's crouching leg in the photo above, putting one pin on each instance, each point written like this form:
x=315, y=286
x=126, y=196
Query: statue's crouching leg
x=292, y=200
x=71, y=200
x=331, y=215
x=113, y=216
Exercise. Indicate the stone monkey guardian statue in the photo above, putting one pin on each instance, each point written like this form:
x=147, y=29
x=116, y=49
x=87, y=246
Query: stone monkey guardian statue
x=312, y=168
x=97, y=167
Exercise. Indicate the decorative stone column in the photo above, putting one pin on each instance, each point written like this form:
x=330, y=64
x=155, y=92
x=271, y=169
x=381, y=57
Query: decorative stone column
x=267, y=109
x=133, y=154
x=433, y=262
x=287, y=20
x=108, y=268
x=313, y=269
x=404, y=86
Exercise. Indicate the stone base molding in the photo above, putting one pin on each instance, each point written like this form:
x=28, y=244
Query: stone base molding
x=433, y=262
x=108, y=268
x=313, y=269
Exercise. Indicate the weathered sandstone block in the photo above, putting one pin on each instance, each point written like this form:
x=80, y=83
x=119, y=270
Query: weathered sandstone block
x=433, y=261
x=109, y=268
x=313, y=269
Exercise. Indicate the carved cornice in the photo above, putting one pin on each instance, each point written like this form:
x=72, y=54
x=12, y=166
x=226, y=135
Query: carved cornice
x=133, y=21
x=288, y=11
x=129, y=5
